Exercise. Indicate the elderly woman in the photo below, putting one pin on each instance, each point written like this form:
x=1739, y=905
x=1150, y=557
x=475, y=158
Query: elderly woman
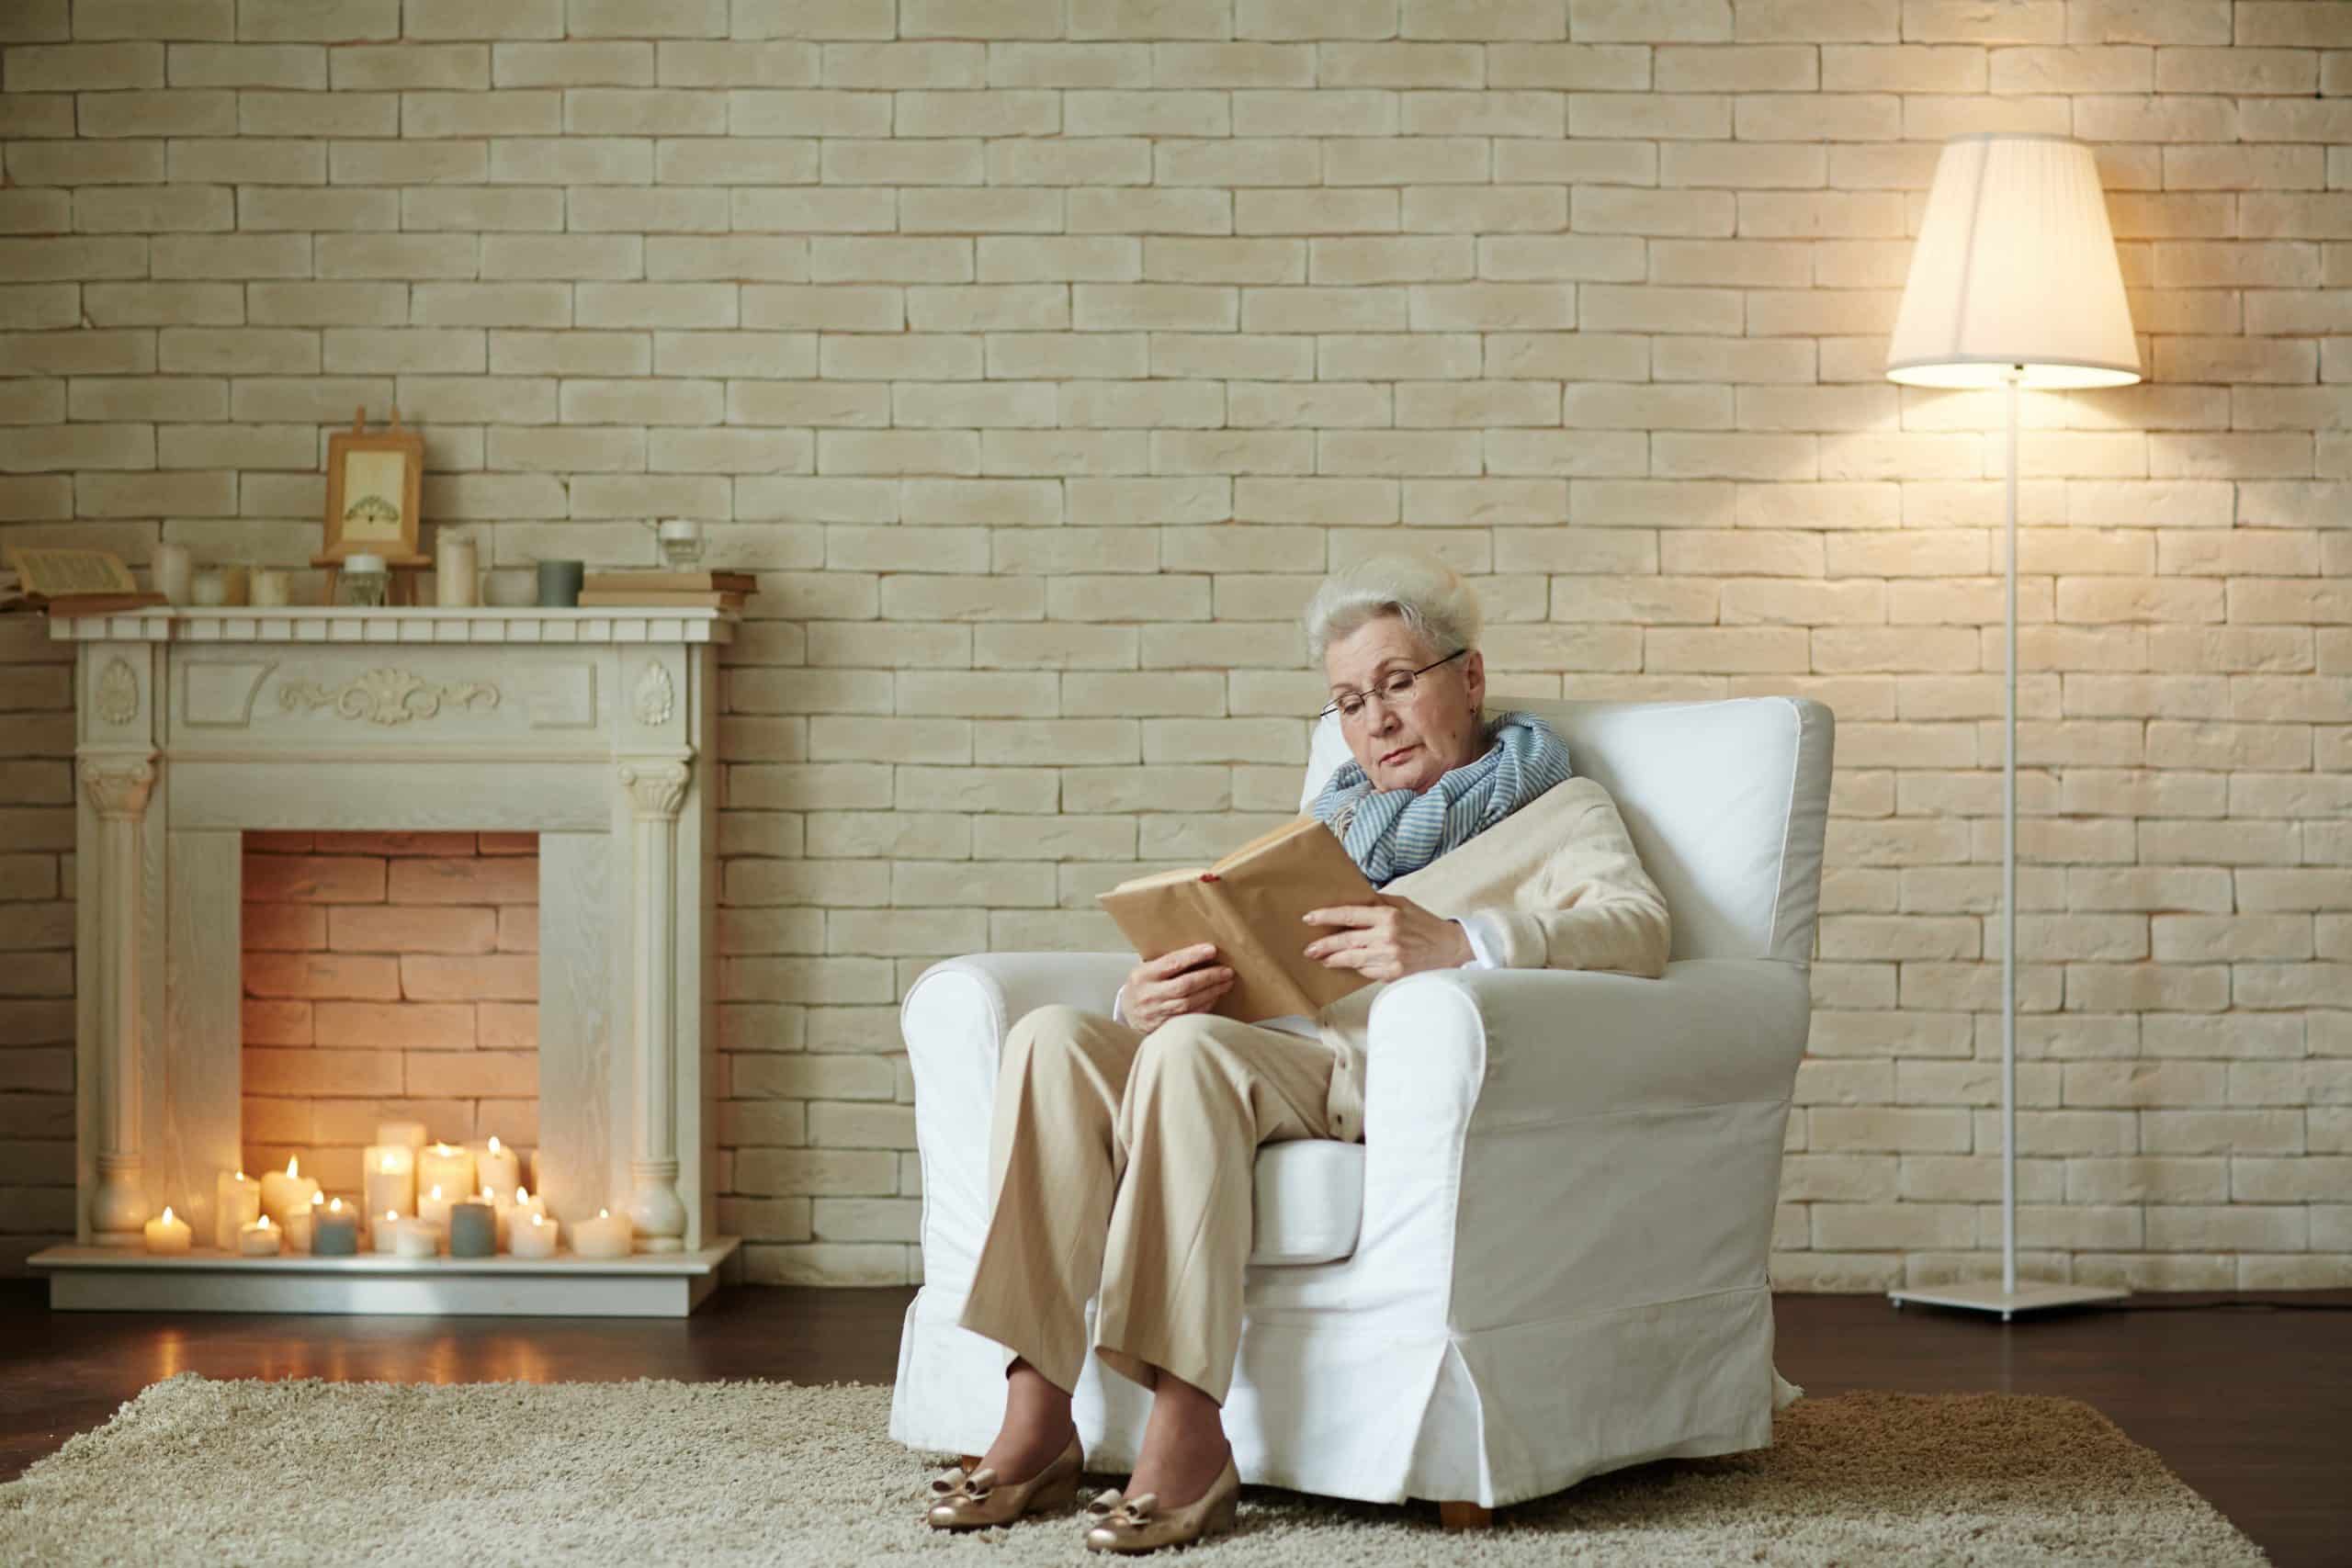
x=1121, y=1147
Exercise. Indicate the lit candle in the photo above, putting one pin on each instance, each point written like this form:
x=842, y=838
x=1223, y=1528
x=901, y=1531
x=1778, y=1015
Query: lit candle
x=261, y=1239
x=606, y=1236
x=283, y=1191
x=385, y=1230
x=415, y=1238
x=170, y=1234
x=496, y=1166
x=335, y=1230
x=236, y=1203
x=473, y=1228
x=433, y=1208
x=534, y=1235
x=511, y=1213
x=451, y=1169
x=391, y=1173
x=297, y=1221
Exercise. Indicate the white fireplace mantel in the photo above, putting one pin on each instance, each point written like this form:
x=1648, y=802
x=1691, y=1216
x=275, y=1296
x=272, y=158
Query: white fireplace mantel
x=592, y=728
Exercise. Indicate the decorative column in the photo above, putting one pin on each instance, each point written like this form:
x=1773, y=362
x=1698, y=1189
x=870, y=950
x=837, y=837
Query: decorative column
x=119, y=785
x=657, y=788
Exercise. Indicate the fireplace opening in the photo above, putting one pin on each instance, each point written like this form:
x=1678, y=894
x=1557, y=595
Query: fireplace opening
x=388, y=978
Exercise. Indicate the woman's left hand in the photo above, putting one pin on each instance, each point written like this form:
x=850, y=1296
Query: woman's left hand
x=1388, y=939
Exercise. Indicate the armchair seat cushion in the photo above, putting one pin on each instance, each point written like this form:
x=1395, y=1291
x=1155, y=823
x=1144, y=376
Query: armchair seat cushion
x=1310, y=1203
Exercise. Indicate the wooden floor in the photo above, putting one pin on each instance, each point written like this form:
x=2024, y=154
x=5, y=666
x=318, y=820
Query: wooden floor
x=2251, y=1405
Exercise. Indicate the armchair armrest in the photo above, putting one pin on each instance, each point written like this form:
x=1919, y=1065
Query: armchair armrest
x=1579, y=1142
x=954, y=1020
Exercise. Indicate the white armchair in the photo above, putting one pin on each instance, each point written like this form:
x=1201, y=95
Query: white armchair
x=1546, y=1260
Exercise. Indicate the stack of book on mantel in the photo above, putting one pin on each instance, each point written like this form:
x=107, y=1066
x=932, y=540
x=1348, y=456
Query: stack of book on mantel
x=718, y=589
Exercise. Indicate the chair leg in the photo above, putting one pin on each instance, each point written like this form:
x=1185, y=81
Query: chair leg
x=1464, y=1517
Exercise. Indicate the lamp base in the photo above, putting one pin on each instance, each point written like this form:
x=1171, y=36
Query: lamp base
x=1987, y=1296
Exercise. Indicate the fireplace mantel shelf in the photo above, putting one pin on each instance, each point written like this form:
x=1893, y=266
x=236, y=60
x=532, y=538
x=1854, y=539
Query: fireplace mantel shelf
x=349, y=624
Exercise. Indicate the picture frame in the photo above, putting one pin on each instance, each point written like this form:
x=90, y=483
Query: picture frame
x=375, y=484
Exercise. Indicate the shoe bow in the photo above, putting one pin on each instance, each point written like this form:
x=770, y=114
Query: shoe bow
x=1134, y=1511
x=955, y=1483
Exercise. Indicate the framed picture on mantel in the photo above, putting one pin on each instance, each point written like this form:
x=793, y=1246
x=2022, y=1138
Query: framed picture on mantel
x=375, y=480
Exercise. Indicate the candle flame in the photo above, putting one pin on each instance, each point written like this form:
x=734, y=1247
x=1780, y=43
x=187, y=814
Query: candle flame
x=443, y=1149
x=522, y=1195
x=292, y=1166
x=263, y=1223
x=603, y=1213
x=167, y=1214
x=391, y=1213
x=336, y=1206
x=494, y=1143
x=537, y=1218
x=241, y=1173
x=390, y=1169
x=487, y=1195
x=437, y=1190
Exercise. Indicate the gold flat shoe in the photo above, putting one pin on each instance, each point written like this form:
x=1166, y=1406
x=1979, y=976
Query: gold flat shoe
x=961, y=1502
x=1137, y=1524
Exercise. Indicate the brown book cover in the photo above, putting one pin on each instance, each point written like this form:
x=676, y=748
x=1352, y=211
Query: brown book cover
x=673, y=582
x=606, y=598
x=69, y=582
x=1250, y=905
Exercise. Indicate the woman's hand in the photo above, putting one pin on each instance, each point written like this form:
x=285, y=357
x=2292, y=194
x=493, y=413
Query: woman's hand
x=1388, y=939
x=1173, y=984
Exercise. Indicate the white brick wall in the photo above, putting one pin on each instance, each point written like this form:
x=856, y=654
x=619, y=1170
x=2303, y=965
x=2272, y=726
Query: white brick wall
x=1041, y=354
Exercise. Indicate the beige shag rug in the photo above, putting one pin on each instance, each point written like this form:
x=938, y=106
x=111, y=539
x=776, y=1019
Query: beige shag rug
x=304, y=1473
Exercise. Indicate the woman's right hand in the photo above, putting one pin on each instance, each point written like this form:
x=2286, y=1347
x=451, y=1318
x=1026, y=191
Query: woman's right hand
x=1187, y=980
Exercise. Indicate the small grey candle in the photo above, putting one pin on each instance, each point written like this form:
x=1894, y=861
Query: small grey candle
x=334, y=1235
x=473, y=1229
x=560, y=584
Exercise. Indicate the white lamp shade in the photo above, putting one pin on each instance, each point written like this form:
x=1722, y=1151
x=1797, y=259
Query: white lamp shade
x=2015, y=267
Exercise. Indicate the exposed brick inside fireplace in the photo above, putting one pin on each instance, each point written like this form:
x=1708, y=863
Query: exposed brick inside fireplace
x=388, y=975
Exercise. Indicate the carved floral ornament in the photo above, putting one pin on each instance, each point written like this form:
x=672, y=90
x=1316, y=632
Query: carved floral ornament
x=656, y=697
x=656, y=788
x=387, y=696
x=119, y=785
x=116, y=696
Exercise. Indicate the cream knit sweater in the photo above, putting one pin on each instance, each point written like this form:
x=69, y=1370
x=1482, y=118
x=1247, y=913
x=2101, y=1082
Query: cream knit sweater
x=1558, y=878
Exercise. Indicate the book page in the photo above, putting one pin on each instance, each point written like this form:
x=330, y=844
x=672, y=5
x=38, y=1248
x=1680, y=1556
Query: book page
x=59, y=573
x=1272, y=889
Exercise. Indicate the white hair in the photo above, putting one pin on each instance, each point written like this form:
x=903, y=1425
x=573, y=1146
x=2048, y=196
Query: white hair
x=1428, y=595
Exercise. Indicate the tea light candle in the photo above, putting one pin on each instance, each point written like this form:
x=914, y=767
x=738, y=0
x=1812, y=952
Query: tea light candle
x=260, y=1239
x=415, y=1238
x=236, y=1203
x=606, y=1236
x=473, y=1229
x=532, y=1234
x=169, y=1234
x=283, y=1191
x=451, y=1169
x=384, y=1230
x=514, y=1211
x=409, y=1135
x=495, y=1167
x=335, y=1230
x=432, y=1207
x=389, y=1173
x=297, y=1221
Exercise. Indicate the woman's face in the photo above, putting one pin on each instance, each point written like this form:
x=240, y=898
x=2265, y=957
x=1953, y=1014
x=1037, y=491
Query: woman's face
x=1435, y=730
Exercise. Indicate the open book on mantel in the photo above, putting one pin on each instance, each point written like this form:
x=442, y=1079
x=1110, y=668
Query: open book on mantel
x=1250, y=905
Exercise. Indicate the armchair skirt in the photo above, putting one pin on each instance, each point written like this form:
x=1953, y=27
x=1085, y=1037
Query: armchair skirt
x=1124, y=1163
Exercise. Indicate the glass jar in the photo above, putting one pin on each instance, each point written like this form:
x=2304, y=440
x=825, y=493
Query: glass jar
x=364, y=582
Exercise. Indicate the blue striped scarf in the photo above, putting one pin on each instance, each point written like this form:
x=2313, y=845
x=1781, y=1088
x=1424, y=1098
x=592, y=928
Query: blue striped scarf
x=1393, y=831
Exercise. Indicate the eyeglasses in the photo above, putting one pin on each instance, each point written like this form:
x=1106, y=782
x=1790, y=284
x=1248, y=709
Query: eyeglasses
x=1395, y=689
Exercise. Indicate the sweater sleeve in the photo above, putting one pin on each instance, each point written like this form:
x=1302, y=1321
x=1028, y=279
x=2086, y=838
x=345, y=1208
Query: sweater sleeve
x=1595, y=906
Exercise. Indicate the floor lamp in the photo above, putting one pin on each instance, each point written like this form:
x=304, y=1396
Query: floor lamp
x=2013, y=283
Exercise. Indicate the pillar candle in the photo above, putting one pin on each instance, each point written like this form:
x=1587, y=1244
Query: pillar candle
x=455, y=564
x=335, y=1230
x=389, y=1173
x=236, y=1203
x=513, y=1209
x=532, y=1234
x=411, y=1133
x=496, y=1166
x=432, y=1207
x=451, y=1169
x=384, y=1230
x=297, y=1221
x=282, y=1189
x=169, y=1234
x=260, y=1239
x=473, y=1229
x=415, y=1238
x=606, y=1236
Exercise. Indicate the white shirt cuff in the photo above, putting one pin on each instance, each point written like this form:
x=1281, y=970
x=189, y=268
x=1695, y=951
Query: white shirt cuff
x=1486, y=942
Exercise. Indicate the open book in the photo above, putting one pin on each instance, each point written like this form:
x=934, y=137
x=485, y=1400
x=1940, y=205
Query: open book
x=71, y=582
x=1250, y=905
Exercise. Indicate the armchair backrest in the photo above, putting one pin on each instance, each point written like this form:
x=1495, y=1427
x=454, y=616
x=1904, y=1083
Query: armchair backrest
x=1727, y=803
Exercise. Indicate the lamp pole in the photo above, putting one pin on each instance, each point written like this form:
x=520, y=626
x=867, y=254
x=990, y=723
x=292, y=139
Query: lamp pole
x=2011, y=375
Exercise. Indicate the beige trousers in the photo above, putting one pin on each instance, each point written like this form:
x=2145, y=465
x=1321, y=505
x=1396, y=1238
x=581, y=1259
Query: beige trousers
x=1125, y=1162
